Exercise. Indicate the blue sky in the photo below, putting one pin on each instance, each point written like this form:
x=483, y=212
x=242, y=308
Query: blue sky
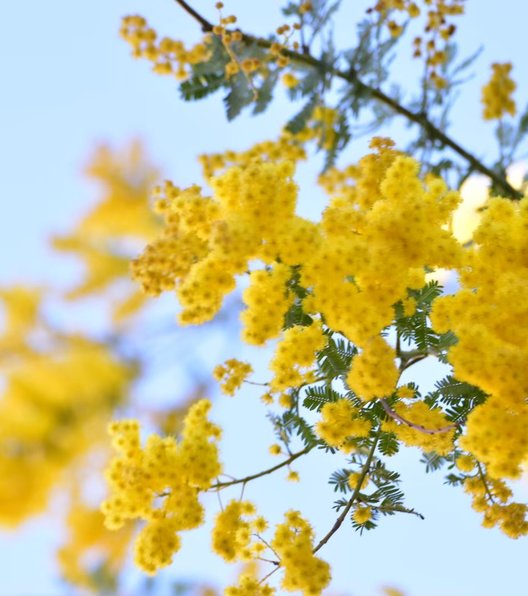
x=68, y=83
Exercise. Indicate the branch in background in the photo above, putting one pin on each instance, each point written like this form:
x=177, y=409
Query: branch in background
x=419, y=118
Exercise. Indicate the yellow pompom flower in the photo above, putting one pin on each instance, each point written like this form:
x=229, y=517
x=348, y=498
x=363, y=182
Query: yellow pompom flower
x=362, y=515
x=498, y=437
x=249, y=586
x=339, y=421
x=49, y=428
x=90, y=544
x=294, y=354
x=289, y=80
x=303, y=571
x=406, y=392
x=374, y=373
x=465, y=463
x=497, y=94
x=425, y=427
x=353, y=479
x=275, y=449
x=232, y=374
x=176, y=470
x=231, y=534
x=267, y=301
x=167, y=55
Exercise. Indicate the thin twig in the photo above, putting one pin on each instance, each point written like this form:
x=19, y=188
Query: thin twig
x=419, y=427
x=398, y=510
x=286, y=462
x=268, y=545
x=485, y=483
x=268, y=561
x=255, y=383
x=364, y=471
x=376, y=93
x=269, y=574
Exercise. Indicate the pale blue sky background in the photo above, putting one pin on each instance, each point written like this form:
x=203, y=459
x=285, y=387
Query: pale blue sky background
x=67, y=83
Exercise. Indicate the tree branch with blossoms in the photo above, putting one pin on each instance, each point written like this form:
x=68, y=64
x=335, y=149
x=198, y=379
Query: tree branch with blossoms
x=246, y=479
x=418, y=118
x=362, y=475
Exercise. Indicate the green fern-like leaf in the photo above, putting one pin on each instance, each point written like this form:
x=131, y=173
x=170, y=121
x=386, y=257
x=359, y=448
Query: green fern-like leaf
x=265, y=92
x=239, y=96
x=201, y=86
x=295, y=315
x=458, y=398
x=319, y=395
x=339, y=480
x=299, y=426
x=335, y=359
x=300, y=120
x=433, y=461
x=454, y=479
x=369, y=525
x=427, y=294
x=388, y=444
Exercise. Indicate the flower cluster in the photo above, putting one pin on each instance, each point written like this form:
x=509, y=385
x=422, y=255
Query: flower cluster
x=488, y=315
x=277, y=51
x=295, y=351
x=121, y=219
x=20, y=313
x=89, y=545
x=43, y=431
x=161, y=483
x=267, y=301
x=209, y=241
x=232, y=532
x=437, y=27
x=349, y=258
x=229, y=39
x=341, y=421
x=249, y=586
x=303, y=571
x=376, y=355
x=497, y=94
x=321, y=128
x=423, y=427
x=384, y=227
x=492, y=498
x=232, y=374
x=376, y=239
x=288, y=147
x=168, y=56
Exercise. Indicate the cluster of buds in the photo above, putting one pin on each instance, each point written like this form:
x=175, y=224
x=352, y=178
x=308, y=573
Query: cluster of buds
x=438, y=30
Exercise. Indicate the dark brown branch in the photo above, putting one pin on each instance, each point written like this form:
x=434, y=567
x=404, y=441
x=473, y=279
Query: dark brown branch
x=207, y=26
x=418, y=118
